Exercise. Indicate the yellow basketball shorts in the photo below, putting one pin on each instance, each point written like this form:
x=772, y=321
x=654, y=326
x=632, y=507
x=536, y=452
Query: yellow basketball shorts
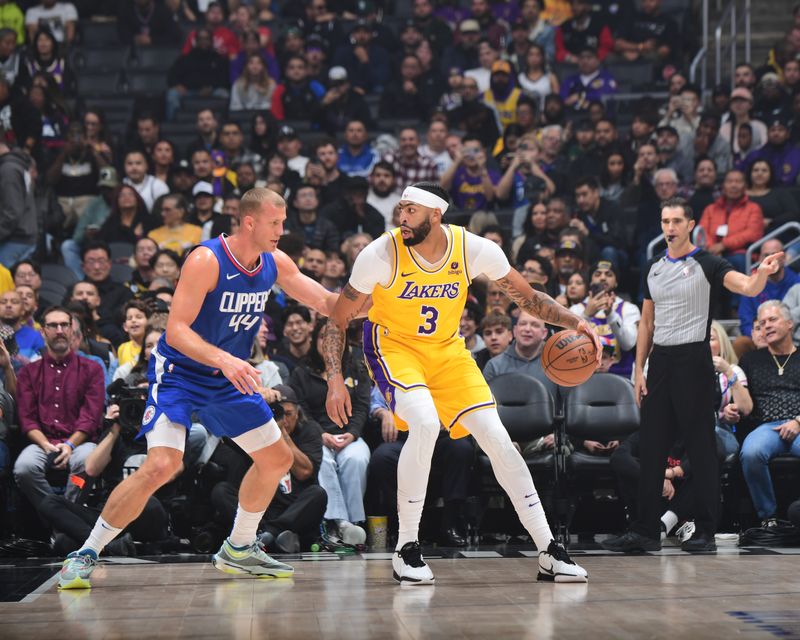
x=446, y=369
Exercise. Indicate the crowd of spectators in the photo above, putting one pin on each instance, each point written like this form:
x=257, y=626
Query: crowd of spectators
x=338, y=105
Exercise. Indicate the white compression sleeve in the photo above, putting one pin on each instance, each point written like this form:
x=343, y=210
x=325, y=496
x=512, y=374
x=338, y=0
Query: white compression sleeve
x=417, y=409
x=511, y=471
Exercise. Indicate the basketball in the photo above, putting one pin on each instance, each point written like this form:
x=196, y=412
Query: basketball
x=569, y=358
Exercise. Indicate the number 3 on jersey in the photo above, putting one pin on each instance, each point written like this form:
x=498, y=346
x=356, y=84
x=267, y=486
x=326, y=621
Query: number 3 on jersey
x=429, y=316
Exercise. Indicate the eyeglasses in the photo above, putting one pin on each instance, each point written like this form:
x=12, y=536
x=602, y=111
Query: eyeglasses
x=96, y=261
x=55, y=326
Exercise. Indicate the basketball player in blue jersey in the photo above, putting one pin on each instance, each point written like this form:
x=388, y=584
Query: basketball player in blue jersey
x=418, y=276
x=200, y=365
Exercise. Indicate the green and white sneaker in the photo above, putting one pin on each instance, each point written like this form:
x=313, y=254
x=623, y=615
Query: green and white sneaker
x=76, y=570
x=252, y=560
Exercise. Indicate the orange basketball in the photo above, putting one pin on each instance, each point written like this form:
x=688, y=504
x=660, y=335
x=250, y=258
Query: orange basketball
x=569, y=358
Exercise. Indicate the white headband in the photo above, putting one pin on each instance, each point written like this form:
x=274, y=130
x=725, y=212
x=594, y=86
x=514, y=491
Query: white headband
x=425, y=198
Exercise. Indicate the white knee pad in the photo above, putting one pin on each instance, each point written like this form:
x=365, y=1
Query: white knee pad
x=416, y=407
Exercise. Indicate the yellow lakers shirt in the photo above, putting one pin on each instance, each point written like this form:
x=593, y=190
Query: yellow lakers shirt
x=411, y=337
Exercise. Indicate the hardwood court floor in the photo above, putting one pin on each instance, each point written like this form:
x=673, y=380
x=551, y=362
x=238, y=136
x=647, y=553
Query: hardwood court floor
x=483, y=595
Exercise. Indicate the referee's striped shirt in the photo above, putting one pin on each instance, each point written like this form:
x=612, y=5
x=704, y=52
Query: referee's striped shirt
x=683, y=290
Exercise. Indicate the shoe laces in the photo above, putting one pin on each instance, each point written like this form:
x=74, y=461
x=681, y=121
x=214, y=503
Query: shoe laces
x=412, y=555
x=559, y=552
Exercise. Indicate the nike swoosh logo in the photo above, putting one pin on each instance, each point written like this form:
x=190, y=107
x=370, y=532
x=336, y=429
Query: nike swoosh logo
x=533, y=504
x=231, y=276
x=405, y=275
x=105, y=527
x=547, y=569
x=415, y=501
x=530, y=495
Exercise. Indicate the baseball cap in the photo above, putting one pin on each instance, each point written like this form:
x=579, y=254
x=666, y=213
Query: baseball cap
x=501, y=66
x=778, y=119
x=469, y=26
x=287, y=393
x=181, y=167
x=202, y=188
x=361, y=24
x=337, y=74
x=742, y=92
x=287, y=133
x=315, y=41
x=770, y=78
x=569, y=245
x=108, y=178
x=667, y=127
x=605, y=265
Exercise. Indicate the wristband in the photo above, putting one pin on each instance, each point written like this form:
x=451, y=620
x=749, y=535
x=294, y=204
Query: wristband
x=69, y=444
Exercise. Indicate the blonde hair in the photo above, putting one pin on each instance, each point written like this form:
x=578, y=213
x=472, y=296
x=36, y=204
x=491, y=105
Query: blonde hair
x=252, y=201
x=726, y=351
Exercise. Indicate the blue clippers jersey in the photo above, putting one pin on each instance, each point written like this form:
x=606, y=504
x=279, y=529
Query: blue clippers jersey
x=231, y=313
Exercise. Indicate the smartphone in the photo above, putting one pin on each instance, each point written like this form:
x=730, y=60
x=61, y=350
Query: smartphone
x=596, y=288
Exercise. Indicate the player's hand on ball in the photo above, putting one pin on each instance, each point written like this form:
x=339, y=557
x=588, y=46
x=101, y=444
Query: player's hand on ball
x=338, y=403
x=244, y=376
x=588, y=329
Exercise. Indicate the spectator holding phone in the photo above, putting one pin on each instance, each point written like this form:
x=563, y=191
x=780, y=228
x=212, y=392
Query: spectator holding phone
x=611, y=316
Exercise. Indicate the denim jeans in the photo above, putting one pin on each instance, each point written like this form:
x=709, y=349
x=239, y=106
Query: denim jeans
x=343, y=475
x=30, y=469
x=13, y=252
x=726, y=440
x=71, y=252
x=759, y=447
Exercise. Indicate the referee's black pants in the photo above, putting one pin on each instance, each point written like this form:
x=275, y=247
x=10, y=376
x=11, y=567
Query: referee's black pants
x=679, y=403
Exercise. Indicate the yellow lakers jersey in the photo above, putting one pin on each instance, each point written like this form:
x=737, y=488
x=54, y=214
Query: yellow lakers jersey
x=420, y=303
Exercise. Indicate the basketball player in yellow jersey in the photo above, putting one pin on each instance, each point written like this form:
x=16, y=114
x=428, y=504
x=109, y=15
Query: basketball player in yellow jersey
x=418, y=276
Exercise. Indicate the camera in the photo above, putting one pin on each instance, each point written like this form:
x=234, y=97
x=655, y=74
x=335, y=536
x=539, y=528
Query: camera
x=131, y=402
x=277, y=411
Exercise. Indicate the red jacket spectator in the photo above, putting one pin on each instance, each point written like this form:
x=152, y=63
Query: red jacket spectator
x=744, y=220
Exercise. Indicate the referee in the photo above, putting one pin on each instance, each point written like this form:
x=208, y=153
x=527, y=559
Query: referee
x=677, y=397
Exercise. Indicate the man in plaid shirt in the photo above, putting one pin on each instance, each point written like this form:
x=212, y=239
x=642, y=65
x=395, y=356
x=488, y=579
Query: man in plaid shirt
x=409, y=165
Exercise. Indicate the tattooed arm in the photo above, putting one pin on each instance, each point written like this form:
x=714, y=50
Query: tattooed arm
x=350, y=305
x=543, y=306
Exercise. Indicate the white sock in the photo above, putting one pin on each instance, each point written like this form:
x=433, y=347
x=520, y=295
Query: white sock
x=670, y=519
x=417, y=409
x=102, y=533
x=245, y=527
x=511, y=471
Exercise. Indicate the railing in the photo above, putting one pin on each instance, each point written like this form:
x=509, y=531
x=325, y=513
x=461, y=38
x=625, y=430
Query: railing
x=698, y=239
x=794, y=242
x=730, y=20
